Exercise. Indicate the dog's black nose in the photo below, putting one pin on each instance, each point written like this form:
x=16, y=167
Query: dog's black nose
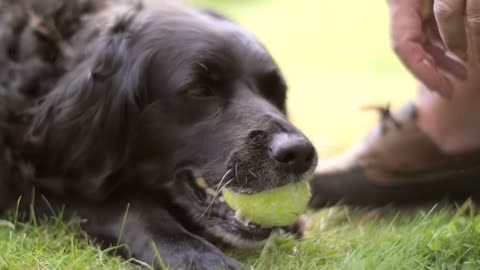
x=294, y=151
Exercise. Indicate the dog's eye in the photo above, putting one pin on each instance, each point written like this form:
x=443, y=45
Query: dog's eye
x=200, y=92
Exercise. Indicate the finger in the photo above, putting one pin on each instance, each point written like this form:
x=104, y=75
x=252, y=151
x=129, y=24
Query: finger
x=425, y=68
x=436, y=49
x=446, y=63
x=473, y=23
x=449, y=15
x=408, y=39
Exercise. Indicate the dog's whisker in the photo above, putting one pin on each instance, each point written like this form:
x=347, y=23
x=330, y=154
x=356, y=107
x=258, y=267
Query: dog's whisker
x=212, y=201
x=203, y=66
x=219, y=192
x=236, y=172
x=223, y=178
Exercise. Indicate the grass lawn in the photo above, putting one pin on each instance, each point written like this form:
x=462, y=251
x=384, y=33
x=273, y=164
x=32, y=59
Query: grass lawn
x=51, y=245
x=340, y=238
x=337, y=238
x=336, y=57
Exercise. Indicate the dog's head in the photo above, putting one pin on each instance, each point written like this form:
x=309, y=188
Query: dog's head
x=181, y=101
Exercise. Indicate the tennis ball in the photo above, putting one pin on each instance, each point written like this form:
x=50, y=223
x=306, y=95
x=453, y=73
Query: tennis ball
x=272, y=208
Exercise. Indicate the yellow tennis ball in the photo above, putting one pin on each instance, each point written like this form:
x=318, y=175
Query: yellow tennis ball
x=272, y=208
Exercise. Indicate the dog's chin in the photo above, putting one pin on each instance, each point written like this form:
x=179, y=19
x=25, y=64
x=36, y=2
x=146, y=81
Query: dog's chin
x=206, y=208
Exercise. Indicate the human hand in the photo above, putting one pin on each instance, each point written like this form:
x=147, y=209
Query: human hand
x=427, y=33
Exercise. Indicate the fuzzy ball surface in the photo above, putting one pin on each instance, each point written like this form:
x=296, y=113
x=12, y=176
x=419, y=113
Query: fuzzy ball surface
x=272, y=208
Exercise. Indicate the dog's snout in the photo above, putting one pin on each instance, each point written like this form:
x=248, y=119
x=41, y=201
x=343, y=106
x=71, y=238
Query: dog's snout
x=294, y=151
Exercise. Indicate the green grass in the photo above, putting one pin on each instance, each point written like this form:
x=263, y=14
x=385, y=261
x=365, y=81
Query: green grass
x=337, y=238
x=336, y=57
x=52, y=244
x=346, y=239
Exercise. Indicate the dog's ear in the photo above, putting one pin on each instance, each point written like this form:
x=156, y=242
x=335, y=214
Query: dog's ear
x=83, y=128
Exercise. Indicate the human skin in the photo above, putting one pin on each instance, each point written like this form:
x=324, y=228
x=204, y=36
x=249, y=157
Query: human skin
x=439, y=42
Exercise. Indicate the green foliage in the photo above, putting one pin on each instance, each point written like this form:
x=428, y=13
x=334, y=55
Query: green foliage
x=52, y=244
x=344, y=239
x=337, y=238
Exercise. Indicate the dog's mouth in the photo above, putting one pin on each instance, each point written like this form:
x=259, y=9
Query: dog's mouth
x=207, y=208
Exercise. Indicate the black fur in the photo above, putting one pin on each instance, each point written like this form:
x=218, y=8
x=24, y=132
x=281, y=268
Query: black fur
x=109, y=103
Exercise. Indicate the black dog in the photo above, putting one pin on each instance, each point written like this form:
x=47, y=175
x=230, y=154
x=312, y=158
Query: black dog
x=113, y=109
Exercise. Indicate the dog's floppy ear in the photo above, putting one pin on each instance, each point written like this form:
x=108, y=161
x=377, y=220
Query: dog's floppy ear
x=83, y=128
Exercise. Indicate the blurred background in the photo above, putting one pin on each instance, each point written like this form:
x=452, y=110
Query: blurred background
x=336, y=57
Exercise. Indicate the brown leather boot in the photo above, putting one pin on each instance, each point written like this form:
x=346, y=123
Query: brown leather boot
x=397, y=163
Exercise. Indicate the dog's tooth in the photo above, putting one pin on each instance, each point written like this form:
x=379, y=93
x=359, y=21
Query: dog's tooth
x=200, y=182
x=242, y=219
x=211, y=191
x=238, y=215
